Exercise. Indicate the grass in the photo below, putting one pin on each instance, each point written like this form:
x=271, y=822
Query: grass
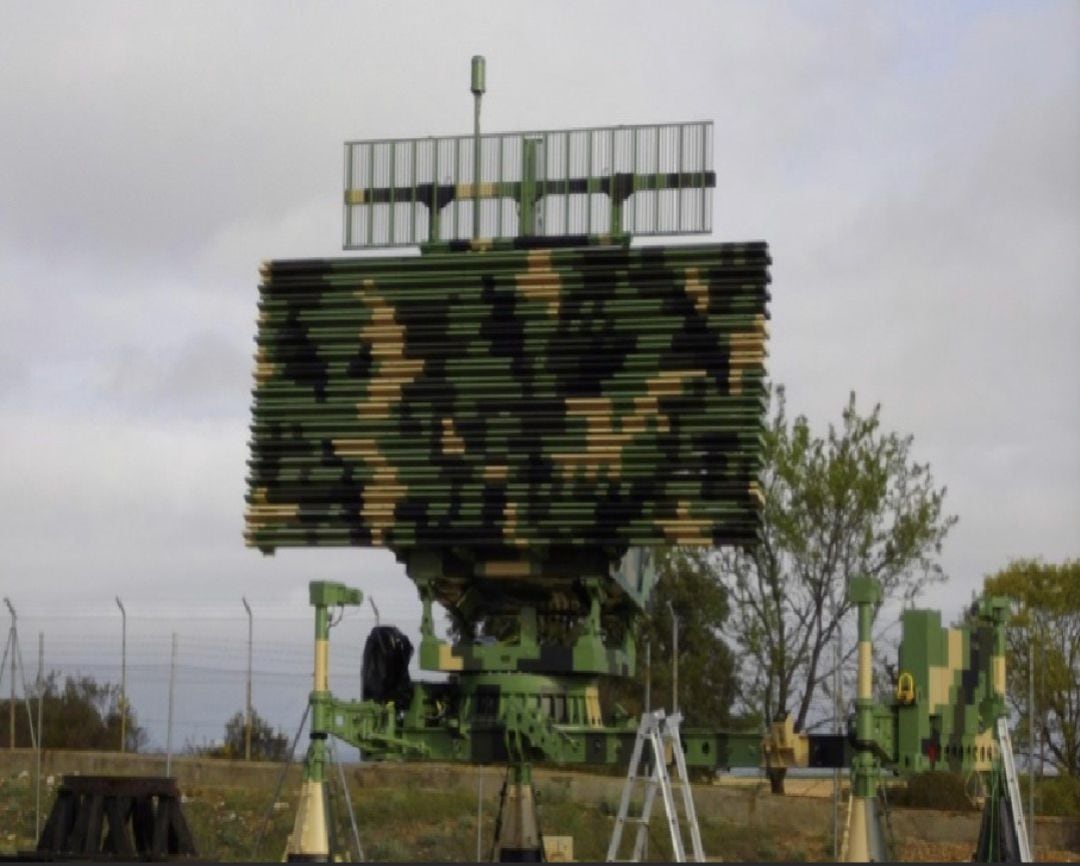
x=427, y=824
x=395, y=824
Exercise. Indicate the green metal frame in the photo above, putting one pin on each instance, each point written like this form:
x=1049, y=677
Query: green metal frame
x=494, y=709
x=483, y=716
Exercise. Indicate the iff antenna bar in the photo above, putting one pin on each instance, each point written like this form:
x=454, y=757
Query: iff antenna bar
x=642, y=180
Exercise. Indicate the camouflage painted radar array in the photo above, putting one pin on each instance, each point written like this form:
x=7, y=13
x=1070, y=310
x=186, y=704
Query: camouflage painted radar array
x=510, y=398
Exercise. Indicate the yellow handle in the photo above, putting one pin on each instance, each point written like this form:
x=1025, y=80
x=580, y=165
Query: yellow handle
x=905, y=689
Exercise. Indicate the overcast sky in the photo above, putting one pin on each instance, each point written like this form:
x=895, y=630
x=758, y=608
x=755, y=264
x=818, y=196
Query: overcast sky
x=914, y=166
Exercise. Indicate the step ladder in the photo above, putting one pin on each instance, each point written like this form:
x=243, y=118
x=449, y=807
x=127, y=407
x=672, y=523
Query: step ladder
x=658, y=731
x=1015, y=808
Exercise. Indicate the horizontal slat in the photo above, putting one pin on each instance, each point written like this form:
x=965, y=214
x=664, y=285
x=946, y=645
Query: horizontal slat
x=519, y=398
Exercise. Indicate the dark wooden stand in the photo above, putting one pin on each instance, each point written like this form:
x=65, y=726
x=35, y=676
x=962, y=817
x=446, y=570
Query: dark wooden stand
x=116, y=817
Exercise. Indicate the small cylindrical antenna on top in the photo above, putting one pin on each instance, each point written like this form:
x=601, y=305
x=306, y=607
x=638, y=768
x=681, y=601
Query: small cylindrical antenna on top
x=478, y=75
x=478, y=87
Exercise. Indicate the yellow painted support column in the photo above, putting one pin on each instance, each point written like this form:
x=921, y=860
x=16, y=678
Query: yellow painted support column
x=322, y=665
x=865, y=690
x=519, y=831
x=865, y=841
x=310, y=839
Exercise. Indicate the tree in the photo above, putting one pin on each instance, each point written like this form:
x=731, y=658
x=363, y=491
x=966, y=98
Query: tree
x=1047, y=624
x=707, y=685
x=853, y=502
x=84, y=714
x=266, y=743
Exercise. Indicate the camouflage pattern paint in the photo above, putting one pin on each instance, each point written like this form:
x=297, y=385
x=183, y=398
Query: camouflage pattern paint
x=511, y=399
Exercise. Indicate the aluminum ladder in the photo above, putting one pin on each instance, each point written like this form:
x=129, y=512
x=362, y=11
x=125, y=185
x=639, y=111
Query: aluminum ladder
x=658, y=730
x=1016, y=810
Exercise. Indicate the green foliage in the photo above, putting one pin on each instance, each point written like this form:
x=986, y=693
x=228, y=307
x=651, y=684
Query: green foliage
x=934, y=789
x=83, y=714
x=707, y=685
x=1058, y=795
x=266, y=743
x=852, y=502
x=1046, y=622
x=1054, y=795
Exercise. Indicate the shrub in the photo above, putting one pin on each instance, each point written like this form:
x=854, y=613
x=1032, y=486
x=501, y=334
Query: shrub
x=935, y=789
x=1058, y=795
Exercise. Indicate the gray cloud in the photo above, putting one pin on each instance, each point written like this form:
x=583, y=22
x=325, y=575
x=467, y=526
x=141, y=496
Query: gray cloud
x=207, y=376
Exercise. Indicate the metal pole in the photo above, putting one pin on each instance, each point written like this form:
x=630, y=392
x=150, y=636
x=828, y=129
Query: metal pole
x=479, y=817
x=1031, y=737
x=247, y=711
x=1042, y=735
x=648, y=709
x=674, y=660
x=123, y=675
x=3, y=660
x=13, y=633
x=40, y=731
x=839, y=709
x=477, y=87
x=648, y=677
x=168, y=734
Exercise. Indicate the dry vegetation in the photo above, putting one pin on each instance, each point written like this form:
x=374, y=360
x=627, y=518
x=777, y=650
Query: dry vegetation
x=414, y=823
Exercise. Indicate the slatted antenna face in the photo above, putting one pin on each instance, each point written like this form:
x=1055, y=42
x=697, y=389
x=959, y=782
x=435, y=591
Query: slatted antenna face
x=640, y=180
x=513, y=398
